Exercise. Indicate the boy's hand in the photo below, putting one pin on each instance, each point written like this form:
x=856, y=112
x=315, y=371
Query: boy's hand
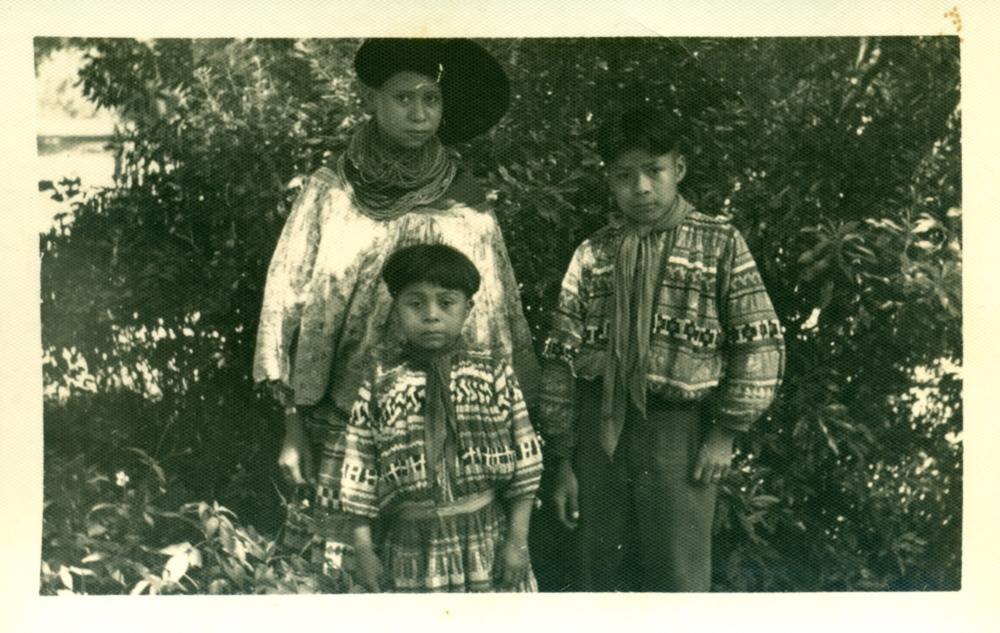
x=514, y=564
x=368, y=567
x=566, y=495
x=715, y=456
x=295, y=458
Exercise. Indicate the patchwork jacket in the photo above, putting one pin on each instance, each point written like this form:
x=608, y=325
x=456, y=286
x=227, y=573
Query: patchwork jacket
x=715, y=335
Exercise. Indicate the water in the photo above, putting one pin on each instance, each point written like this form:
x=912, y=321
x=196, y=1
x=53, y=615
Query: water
x=73, y=133
x=86, y=158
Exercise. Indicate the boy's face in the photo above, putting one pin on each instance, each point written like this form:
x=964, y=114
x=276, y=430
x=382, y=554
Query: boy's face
x=430, y=316
x=645, y=185
x=408, y=108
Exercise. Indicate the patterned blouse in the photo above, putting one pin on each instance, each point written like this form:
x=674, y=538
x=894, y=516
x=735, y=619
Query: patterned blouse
x=384, y=453
x=325, y=307
x=714, y=330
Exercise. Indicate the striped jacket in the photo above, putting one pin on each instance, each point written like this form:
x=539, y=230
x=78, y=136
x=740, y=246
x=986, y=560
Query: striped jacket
x=714, y=336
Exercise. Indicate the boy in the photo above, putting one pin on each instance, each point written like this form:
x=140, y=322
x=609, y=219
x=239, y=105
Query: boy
x=664, y=346
x=439, y=447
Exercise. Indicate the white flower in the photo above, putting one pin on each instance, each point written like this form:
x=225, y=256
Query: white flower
x=121, y=479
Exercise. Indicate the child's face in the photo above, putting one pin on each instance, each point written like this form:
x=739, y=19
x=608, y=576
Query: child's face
x=408, y=108
x=430, y=316
x=645, y=185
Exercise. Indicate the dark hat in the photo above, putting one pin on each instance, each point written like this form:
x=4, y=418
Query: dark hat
x=474, y=86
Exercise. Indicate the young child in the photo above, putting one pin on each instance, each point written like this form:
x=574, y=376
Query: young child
x=439, y=446
x=664, y=346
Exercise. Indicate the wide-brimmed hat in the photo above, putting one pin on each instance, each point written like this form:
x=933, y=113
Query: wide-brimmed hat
x=474, y=86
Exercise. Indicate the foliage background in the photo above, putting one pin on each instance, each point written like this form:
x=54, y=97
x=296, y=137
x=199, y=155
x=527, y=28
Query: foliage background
x=838, y=159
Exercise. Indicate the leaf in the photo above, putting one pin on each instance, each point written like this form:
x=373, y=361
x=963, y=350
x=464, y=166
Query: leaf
x=194, y=557
x=139, y=587
x=93, y=558
x=239, y=551
x=505, y=174
x=217, y=586
x=211, y=526
x=829, y=438
x=96, y=529
x=176, y=548
x=103, y=506
x=176, y=567
x=925, y=223
x=815, y=269
x=826, y=294
x=66, y=577
x=149, y=461
x=765, y=501
x=234, y=571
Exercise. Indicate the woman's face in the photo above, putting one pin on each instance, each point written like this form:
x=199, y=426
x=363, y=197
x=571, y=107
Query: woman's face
x=408, y=108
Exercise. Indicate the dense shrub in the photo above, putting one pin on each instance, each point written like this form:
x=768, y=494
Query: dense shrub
x=838, y=158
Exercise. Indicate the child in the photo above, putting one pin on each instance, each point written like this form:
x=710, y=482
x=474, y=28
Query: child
x=664, y=346
x=439, y=445
x=398, y=182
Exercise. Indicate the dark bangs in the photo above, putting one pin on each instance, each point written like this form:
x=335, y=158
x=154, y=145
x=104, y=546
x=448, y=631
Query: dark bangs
x=432, y=263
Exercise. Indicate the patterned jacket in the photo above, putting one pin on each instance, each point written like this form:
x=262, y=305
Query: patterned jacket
x=384, y=456
x=714, y=336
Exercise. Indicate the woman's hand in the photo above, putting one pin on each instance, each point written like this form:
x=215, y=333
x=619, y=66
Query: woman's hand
x=295, y=458
x=515, y=564
x=715, y=457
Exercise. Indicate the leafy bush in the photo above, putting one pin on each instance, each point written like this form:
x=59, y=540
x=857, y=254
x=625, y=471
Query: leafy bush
x=838, y=159
x=104, y=536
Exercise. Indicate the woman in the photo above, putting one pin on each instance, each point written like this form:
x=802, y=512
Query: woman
x=397, y=183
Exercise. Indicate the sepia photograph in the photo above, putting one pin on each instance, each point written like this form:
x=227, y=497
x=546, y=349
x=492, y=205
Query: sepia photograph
x=608, y=317
x=262, y=254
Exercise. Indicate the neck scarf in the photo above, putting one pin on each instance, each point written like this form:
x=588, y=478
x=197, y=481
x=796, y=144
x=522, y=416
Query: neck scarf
x=638, y=267
x=388, y=180
x=440, y=419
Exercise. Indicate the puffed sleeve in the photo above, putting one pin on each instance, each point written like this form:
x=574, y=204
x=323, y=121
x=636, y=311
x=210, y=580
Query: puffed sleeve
x=288, y=279
x=558, y=389
x=754, y=348
x=359, y=473
x=524, y=439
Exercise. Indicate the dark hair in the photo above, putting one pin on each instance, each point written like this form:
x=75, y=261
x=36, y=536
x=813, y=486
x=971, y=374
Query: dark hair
x=433, y=263
x=643, y=127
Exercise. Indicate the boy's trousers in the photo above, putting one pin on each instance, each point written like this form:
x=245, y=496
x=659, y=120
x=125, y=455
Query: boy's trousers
x=644, y=525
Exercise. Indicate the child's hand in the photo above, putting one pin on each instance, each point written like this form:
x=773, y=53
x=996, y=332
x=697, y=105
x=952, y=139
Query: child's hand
x=565, y=495
x=295, y=458
x=368, y=568
x=514, y=564
x=715, y=456
x=278, y=392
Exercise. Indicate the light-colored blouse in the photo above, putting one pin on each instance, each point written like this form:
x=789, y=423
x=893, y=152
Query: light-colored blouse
x=326, y=309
